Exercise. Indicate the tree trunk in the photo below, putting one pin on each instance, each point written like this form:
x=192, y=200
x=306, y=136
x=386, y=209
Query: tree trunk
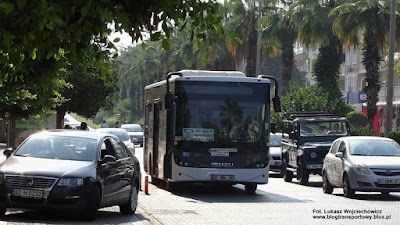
x=371, y=61
x=251, y=58
x=60, y=118
x=287, y=68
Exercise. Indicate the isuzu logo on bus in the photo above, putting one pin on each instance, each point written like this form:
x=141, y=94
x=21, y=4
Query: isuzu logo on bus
x=221, y=165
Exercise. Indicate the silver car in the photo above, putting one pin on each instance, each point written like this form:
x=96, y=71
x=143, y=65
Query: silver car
x=122, y=134
x=275, y=159
x=369, y=164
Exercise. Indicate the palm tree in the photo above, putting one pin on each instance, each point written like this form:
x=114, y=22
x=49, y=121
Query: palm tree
x=371, y=18
x=278, y=30
x=241, y=18
x=315, y=27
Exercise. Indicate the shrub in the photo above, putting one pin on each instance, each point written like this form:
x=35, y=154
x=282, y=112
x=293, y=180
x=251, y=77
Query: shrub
x=357, y=119
x=360, y=131
x=395, y=135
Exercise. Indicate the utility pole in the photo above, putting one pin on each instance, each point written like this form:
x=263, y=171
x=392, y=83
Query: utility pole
x=389, y=96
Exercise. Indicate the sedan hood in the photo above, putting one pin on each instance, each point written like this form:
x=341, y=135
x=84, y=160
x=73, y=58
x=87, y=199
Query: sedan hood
x=47, y=167
x=377, y=161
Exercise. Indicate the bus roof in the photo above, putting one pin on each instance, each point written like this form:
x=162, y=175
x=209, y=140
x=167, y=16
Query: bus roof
x=214, y=76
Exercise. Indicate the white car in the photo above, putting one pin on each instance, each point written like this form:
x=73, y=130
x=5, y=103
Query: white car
x=369, y=164
x=275, y=159
x=122, y=135
x=135, y=132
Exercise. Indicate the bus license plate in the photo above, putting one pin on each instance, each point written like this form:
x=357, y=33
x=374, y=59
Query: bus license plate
x=25, y=193
x=222, y=177
x=388, y=181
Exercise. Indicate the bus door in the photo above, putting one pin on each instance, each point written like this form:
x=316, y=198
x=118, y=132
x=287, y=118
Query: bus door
x=156, y=131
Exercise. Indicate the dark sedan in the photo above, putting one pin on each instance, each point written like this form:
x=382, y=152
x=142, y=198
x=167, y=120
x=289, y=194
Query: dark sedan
x=70, y=170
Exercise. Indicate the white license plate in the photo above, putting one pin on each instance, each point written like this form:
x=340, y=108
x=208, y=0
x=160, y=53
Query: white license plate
x=222, y=177
x=25, y=193
x=317, y=166
x=388, y=181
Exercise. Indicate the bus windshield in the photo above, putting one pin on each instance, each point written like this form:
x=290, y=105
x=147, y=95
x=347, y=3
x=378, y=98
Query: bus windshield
x=221, y=112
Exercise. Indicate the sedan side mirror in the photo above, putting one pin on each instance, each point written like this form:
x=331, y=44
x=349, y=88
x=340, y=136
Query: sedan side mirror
x=339, y=155
x=8, y=152
x=108, y=159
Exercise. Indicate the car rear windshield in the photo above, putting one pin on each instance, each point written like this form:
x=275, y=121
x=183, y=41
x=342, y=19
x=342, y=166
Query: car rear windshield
x=137, y=128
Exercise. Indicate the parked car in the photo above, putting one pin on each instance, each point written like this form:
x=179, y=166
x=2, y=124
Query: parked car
x=134, y=131
x=275, y=159
x=122, y=135
x=68, y=170
x=369, y=164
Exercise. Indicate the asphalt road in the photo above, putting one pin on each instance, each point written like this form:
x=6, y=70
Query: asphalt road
x=277, y=202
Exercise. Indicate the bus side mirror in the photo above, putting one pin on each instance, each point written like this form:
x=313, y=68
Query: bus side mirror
x=277, y=103
x=273, y=128
x=168, y=100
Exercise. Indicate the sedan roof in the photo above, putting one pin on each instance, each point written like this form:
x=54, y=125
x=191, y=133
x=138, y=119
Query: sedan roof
x=74, y=133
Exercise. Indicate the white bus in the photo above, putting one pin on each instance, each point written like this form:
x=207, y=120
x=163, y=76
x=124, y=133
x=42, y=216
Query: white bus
x=208, y=126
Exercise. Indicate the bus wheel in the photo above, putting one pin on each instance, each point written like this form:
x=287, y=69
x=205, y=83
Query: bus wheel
x=250, y=188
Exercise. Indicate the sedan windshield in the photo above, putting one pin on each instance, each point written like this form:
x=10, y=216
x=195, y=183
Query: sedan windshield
x=374, y=148
x=58, y=147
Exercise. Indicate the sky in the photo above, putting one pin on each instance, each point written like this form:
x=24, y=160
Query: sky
x=125, y=41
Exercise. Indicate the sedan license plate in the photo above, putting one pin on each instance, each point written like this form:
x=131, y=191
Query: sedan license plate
x=388, y=181
x=222, y=177
x=25, y=193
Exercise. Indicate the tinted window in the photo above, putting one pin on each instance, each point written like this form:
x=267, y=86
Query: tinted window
x=120, y=152
x=342, y=147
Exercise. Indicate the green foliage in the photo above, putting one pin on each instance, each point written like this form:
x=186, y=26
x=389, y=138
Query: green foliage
x=89, y=121
x=307, y=98
x=33, y=122
x=357, y=119
x=359, y=131
x=96, y=81
x=45, y=37
x=395, y=135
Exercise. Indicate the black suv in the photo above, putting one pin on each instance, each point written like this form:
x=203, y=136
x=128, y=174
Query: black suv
x=306, y=139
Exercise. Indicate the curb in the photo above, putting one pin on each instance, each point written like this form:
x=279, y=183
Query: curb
x=151, y=219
